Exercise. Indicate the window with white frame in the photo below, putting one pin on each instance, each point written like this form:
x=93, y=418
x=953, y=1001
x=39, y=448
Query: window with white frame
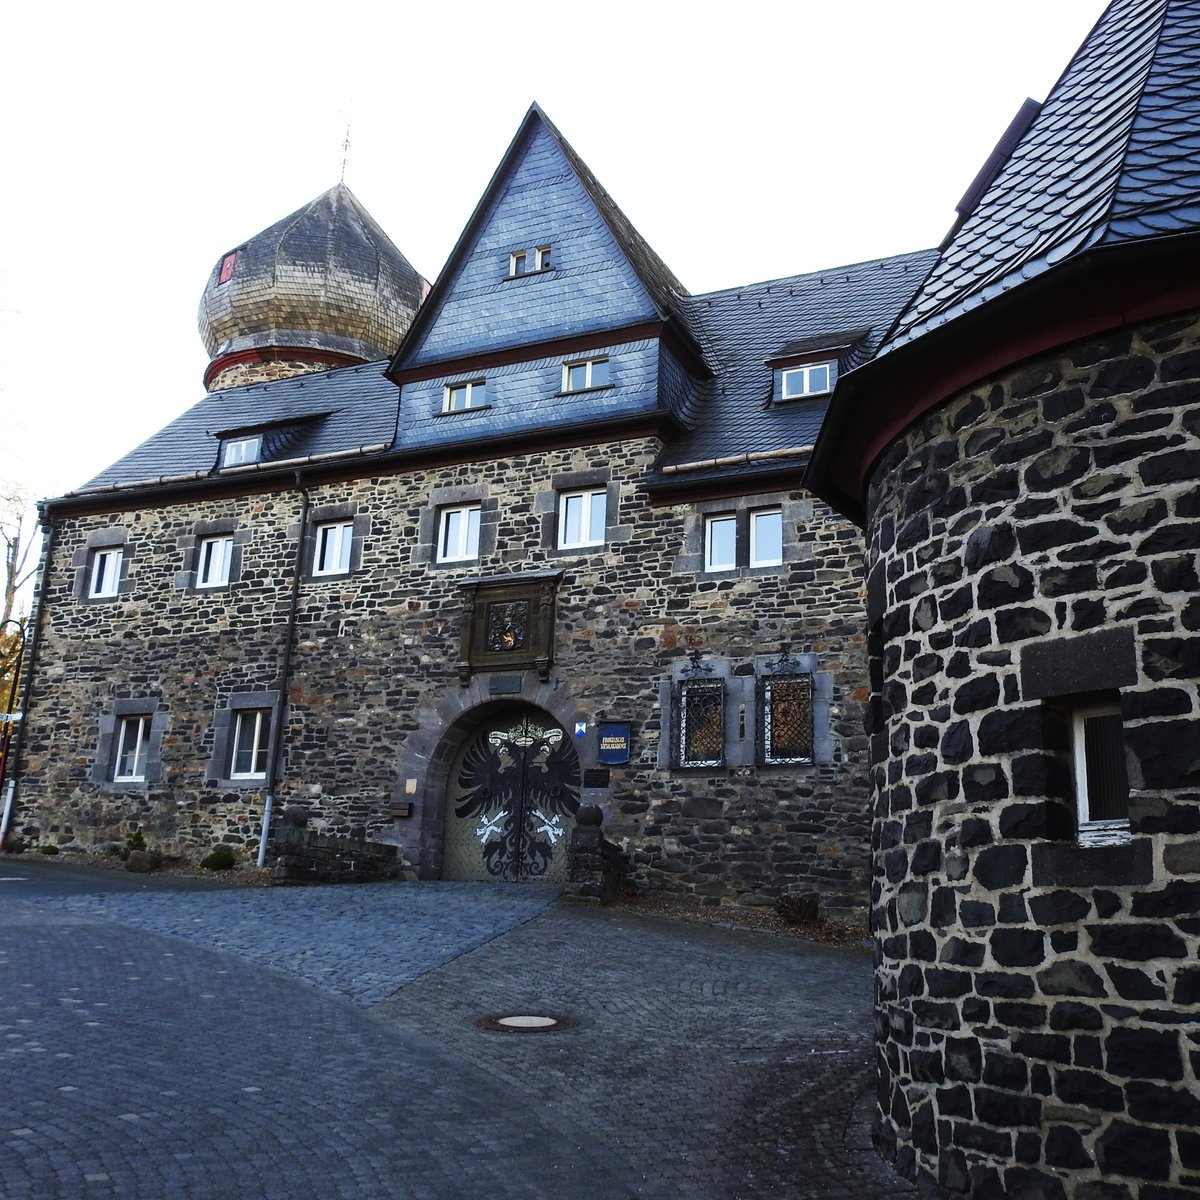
x=581, y=518
x=812, y=379
x=237, y=452
x=213, y=561
x=1101, y=781
x=458, y=533
x=133, y=747
x=518, y=263
x=541, y=258
x=766, y=537
x=251, y=742
x=458, y=397
x=720, y=542
x=580, y=376
x=699, y=706
x=333, y=543
x=105, y=574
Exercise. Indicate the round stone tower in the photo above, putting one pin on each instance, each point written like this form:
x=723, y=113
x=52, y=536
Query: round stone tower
x=324, y=287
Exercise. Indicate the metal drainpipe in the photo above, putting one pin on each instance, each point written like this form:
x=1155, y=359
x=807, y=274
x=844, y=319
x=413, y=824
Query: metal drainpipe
x=285, y=670
x=35, y=640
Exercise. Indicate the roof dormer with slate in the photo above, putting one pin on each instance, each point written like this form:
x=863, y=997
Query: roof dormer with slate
x=551, y=312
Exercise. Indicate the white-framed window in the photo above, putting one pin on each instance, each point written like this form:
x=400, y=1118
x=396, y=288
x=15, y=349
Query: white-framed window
x=581, y=518
x=238, y=451
x=133, y=745
x=105, y=579
x=541, y=258
x=213, y=561
x=720, y=542
x=459, y=396
x=812, y=379
x=518, y=263
x=766, y=537
x=458, y=533
x=590, y=373
x=1101, y=782
x=251, y=742
x=331, y=552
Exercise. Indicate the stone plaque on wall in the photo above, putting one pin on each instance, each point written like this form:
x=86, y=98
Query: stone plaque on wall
x=508, y=624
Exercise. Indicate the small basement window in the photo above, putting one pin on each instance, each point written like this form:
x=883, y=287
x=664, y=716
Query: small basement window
x=1101, y=781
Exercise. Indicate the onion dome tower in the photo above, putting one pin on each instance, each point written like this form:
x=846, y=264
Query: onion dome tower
x=324, y=287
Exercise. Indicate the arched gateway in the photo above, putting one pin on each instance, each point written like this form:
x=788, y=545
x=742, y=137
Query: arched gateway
x=511, y=798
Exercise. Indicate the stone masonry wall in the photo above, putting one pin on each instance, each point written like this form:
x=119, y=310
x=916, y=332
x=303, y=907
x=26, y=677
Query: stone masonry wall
x=374, y=666
x=1032, y=541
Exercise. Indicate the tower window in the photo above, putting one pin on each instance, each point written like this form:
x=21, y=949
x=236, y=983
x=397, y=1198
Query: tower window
x=1101, y=782
x=106, y=572
x=541, y=258
x=227, y=265
x=518, y=263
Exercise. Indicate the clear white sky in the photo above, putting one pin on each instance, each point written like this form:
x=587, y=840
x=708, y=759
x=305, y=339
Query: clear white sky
x=745, y=140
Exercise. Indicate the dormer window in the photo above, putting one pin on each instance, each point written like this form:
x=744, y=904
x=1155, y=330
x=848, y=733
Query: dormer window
x=541, y=258
x=458, y=397
x=522, y=262
x=812, y=379
x=518, y=263
x=227, y=265
x=238, y=452
x=580, y=376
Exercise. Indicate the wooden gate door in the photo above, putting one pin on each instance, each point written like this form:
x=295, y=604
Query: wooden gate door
x=511, y=801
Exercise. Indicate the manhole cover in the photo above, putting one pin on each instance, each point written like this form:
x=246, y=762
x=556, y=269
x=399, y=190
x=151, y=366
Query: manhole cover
x=523, y=1023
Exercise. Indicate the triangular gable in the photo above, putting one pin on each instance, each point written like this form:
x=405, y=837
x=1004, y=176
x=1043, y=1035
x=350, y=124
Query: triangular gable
x=603, y=274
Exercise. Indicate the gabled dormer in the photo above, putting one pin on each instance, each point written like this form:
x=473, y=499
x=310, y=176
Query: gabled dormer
x=546, y=260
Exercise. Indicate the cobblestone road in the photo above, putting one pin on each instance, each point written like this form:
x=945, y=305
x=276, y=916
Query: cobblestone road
x=322, y=1042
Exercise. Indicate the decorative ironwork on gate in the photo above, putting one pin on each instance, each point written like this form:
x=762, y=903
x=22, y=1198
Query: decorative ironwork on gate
x=520, y=786
x=785, y=711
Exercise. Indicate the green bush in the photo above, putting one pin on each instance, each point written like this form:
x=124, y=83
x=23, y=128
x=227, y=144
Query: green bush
x=135, y=841
x=49, y=848
x=220, y=859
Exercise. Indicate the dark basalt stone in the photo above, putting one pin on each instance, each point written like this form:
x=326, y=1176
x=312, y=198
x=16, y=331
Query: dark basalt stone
x=1070, y=1015
x=984, y=783
x=1177, y=899
x=1166, y=751
x=1132, y=984
x=1136, y=942
x=1006, y=1108
x=1135, y=1151
x=1007, y=730
x=977, y=694
x=998, y=867
x=1133, y=374
x=1144, y=1054
x=989, y=544
x=1089, y=1090
x=1065, y=1148
x=1059, y=908
x=1162, y=1105
x=1004, y=585
x=1018, y=947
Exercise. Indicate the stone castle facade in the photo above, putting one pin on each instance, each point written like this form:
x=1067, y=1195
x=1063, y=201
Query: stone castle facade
x=565, y=517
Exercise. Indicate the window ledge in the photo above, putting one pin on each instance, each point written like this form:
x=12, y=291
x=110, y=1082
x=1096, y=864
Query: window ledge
x=526, y=274
x=461, y=412
x=603, y=387
x=1057, y=864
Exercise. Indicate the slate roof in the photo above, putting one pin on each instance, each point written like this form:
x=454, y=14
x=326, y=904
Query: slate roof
x=664, y=288
x=326, y=276
x=328, y=412
x=1113, y=157
x=741, y=330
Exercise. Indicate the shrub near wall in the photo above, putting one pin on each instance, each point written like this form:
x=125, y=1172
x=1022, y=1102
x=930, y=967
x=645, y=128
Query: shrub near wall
x=1033, y=541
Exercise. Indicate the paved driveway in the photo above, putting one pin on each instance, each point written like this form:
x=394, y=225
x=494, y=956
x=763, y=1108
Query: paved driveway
x=322, y=1042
